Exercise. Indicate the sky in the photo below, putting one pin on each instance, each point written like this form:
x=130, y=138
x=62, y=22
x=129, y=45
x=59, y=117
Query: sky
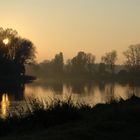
x=95, y=26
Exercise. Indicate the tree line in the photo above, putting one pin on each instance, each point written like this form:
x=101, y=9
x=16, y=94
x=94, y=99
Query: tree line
x=83, y=64
x=17, y=52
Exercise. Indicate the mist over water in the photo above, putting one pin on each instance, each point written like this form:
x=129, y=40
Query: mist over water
x=90, y=93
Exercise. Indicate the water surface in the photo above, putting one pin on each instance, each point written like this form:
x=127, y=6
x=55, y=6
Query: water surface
x=90, y=93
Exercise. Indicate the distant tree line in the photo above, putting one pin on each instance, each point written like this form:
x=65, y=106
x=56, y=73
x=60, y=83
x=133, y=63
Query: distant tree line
x=83, y=65
x=16, y=52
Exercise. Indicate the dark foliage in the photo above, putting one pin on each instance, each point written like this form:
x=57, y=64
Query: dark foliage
x=37, y=117
x=115, y=120
x=15, y=52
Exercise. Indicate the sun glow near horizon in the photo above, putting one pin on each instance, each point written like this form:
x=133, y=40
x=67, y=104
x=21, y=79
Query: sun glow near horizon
x=6, y=41
x=95, y=26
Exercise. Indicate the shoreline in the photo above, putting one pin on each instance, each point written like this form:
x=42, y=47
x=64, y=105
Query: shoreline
x=116, y=120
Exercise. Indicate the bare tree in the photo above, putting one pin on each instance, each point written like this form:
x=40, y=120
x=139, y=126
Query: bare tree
x=132, y=55
x=110, y=59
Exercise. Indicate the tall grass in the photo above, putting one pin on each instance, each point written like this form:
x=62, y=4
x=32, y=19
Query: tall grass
x=40, y=114
x=39, y=117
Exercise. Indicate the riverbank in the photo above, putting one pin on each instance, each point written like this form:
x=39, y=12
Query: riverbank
x=115, y=120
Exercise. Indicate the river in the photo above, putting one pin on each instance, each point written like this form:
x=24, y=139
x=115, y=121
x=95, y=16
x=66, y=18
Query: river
x=90, y=93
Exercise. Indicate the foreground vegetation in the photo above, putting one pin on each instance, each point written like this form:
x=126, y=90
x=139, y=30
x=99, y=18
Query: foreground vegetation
x=64, y=120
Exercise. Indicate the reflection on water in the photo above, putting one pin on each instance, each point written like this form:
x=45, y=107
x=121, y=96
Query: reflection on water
x=5, y=106
x=89, y=93
x=10, y=97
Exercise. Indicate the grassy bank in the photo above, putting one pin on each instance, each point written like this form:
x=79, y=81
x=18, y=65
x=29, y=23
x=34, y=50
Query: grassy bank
x=63, y=120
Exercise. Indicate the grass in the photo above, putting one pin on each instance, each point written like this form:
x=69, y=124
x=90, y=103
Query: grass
x=64, y=120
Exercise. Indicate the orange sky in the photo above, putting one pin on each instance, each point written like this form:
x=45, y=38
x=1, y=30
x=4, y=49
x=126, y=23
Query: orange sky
x=95, y=26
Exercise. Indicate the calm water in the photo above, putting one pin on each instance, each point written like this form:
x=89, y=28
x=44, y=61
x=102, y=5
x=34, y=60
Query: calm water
x=89, y=93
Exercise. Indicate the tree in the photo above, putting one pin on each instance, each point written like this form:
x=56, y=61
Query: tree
x=82, y=63
x=90, y=62
x=101, y=68
x=15, y=52
x=58, y=63
x=132, y=55
x=110, y=59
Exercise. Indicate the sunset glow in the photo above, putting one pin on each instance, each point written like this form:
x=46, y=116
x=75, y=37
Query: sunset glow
x=94, y=26
x=6, y=41
x=68, y=65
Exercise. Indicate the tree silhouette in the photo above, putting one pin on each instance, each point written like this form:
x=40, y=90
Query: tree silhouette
x=110, y=59
x=15, y=52
x=101, y=69
x=58, y=63
x=132, y=55
x=82, y=63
